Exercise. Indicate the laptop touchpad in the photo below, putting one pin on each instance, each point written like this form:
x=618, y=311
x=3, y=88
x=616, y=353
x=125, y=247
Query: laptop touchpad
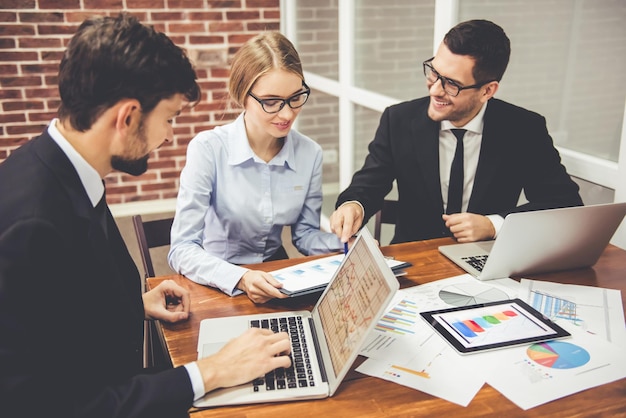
x=211, y=348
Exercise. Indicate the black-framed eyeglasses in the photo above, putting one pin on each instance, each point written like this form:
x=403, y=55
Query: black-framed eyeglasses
x=275, y=105
x=451, y=87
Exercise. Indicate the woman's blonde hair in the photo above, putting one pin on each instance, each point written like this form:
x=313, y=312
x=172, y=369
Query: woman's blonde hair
x=261, y=54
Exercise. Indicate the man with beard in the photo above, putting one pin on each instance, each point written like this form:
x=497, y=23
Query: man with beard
x=502, y=150
x=71, y=303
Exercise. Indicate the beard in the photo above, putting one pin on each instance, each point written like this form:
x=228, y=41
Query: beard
x=134, y=167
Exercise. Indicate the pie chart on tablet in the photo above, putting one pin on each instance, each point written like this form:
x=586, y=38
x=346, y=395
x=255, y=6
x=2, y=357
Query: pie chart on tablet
x=465, y=294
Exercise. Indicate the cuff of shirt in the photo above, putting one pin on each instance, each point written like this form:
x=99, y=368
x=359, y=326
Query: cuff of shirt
x=197, y=383
x=496, y=221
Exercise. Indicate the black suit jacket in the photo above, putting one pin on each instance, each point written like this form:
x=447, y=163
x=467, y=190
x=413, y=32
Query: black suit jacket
x=516, y=154
x=71, y=313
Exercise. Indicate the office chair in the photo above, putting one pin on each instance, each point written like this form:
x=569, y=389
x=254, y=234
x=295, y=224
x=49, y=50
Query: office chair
x=387, y=215
x=152, y=234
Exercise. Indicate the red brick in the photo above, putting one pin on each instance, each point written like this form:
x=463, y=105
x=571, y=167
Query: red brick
x=157, y=186
x=12, y=117
x=171, y=153
x=67, y=29
x=17, y=56
x=186, y=4
x=8, y=16
x=142, y=197
x=41, y=17
x=25, y=129
x=11, y=94
x=251, y=4
x=240, y=39
x=243, y=15
x=185, y=27
x=59, y=4
x=14, y=142
x=104, y=4
x=7, y=43
x=220, y=72
x=51, y=92
x=40, y=68
x=145, y=4
x=271, y=14
x=42, y=117
x=206, y=39
x=20, y=81
x=217, y=4
x=8, y=69
x=167, y=175
x=40, y=43
x=112, y=190
x=51, y=80
x=17, y=30
x=158, y=164
x=168, y=16
x=15, y=106
x=225, y=27
x=263, y=26
x=52, y=56
x=206, y=16
x=19, y=4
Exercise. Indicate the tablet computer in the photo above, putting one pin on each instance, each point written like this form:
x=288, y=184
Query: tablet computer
x=492, y=325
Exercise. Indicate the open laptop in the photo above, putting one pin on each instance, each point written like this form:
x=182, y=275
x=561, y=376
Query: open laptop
x=541, y=241
x=335, y=329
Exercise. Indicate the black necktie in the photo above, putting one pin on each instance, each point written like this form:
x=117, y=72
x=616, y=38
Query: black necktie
x=455, y=187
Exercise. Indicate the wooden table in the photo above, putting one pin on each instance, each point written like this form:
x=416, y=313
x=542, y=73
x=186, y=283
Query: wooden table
x=364, y=396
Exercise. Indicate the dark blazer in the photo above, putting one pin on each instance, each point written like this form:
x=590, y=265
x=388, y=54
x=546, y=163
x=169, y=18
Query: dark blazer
x=71, y=313
x=516, y=154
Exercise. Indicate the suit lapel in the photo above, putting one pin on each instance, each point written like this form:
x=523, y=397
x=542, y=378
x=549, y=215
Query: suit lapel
x=426, y=140
x=493, y=141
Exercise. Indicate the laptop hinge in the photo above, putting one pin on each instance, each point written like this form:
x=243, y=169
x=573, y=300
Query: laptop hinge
x=318, y=351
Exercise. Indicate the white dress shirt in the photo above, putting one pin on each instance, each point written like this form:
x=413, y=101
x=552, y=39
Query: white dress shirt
x=232, y=205
x=471, y=152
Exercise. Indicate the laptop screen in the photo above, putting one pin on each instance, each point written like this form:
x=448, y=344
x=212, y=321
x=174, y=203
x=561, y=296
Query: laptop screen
x=352, y=301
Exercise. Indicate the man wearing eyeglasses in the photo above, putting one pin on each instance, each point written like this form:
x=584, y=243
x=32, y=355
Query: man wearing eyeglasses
x=460, y=157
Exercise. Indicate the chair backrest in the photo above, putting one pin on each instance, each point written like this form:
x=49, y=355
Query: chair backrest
x=151, y=234
x=387, y=215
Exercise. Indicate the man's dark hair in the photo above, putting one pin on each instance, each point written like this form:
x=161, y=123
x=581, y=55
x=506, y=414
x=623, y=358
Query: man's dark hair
x=484, y=41
x=113, y=58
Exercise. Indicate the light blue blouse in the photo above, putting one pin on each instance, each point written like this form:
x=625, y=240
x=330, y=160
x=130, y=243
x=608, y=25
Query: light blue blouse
x=232, y=205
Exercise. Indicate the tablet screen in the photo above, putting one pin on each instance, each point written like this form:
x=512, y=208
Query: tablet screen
x=492, y=325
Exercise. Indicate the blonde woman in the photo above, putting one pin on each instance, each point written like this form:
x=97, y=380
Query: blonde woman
x=244, y=181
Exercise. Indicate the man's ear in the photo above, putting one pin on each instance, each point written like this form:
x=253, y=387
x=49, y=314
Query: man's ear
x=489, y=90
x=128, y=116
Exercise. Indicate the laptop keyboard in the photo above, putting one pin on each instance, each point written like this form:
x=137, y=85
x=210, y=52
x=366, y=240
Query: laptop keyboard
x=300, y=374
x=478, y=261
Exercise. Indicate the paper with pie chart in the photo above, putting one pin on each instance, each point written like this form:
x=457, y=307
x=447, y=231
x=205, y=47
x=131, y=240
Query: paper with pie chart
x=465, y=294
x=538, y=373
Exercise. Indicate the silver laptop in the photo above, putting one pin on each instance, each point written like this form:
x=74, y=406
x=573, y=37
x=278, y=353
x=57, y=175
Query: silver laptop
x=333, y=332
x=541, y=241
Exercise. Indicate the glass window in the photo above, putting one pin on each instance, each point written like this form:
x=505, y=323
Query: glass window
x=568, y=60
x=390, y=43
x=319, y=120
x=318, y=36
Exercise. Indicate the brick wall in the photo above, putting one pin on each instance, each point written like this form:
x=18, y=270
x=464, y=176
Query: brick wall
x=33, y=35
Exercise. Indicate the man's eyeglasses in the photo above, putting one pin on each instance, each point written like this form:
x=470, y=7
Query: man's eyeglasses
x=276, y=105
x=451, y=87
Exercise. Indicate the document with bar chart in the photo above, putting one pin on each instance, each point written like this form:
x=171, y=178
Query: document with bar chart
x=595, y=310
x=403, y=349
